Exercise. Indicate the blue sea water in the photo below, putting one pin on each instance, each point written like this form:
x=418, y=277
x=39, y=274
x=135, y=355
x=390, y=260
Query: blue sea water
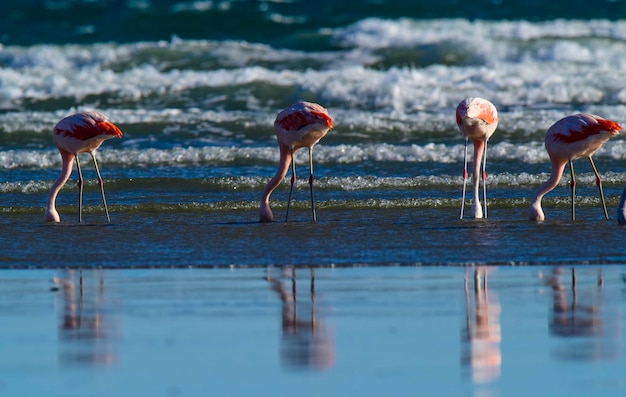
x=195, y=87
x=386, y=302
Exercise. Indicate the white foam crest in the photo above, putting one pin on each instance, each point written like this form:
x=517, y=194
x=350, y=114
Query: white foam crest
x=530, y=152
x=405, y=32
x=555, y=72
x=10, y=159
x=28, y=187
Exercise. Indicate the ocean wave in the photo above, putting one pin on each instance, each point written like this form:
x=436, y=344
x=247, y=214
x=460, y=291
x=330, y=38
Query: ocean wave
x=560, y=202
x=405, y=32
x=514, y=63
x=528, y=153
x=356, y=183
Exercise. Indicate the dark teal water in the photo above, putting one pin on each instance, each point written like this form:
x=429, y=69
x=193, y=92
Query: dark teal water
x=354, y=237
x=292, y=24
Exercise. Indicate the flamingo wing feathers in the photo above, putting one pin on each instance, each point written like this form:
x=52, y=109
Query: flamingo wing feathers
x=302, y=114
x=579, y=127
x=86, y=125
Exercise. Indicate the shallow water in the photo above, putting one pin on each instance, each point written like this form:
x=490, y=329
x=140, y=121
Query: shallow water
x=314, y=331
x=198, y=144
x=340, y=237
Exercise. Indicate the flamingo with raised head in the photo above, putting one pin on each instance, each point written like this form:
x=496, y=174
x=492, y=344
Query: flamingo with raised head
x=300, y=125
x=573, y=137
x=79, y=133
x=477, y=119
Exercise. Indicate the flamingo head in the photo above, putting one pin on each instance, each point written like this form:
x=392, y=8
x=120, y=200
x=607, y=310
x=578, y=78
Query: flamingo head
x=52, y=215
x=535, y=212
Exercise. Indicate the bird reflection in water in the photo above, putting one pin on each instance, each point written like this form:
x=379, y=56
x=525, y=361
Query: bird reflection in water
x=86, y=331
x=481, y=334
x=306, y=343
x=578, y=317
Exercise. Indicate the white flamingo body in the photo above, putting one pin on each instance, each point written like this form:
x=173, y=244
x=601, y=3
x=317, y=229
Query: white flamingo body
x=79, y=133
x=477, y=119
x=573, y=137
x=301, y=125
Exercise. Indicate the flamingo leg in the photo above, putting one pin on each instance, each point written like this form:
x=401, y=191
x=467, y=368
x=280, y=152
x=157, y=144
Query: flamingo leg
x=80, y=190
x=294, y=287
x=599, y=183
x=293, y=181
x=311, y=183
x=484, y=177
x=101, y=184
x=573, y=187
x=465, y=176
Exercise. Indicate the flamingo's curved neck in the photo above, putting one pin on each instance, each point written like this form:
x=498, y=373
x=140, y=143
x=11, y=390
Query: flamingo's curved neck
x=51, y=213
x=283, y=165
x=479, y=148
x=558, y=166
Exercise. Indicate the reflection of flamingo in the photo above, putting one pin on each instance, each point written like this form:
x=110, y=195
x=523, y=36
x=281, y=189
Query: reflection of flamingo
x=482, y=333
x=477, y=119
x=79, y=133
x=578, y=314
x=573, y=137
x=85, y=329
x=302, y=124
x=306, y=342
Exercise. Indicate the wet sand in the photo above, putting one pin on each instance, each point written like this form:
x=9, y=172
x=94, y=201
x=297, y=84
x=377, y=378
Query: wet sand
x=366, y=331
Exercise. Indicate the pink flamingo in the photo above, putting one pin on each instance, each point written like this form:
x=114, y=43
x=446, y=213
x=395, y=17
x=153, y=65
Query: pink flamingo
x=79, y=133
x=477, y=119
x=302, y=124
x=573, y=137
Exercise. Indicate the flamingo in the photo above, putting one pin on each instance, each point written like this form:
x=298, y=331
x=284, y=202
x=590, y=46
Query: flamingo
x=477, y=119
x=571, y=138
x=79, y=133
x=302, y=124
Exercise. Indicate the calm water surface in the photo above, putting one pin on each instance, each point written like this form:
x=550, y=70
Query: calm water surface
x=262, y=331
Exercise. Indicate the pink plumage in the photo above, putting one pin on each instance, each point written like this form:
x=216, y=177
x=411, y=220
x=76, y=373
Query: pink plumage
x=79, y=133
x=477, y=119
x=573, y=137
x=300, y=125
x=579, y=135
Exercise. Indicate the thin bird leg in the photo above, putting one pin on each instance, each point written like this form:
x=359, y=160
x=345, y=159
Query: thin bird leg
x=293, y=180
x=599, y=183
x=101, y=183
x=484, y=177
x=294, y=287
x=465, y=176
x=573, y=187
x=311, y=183
x=80, y=190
